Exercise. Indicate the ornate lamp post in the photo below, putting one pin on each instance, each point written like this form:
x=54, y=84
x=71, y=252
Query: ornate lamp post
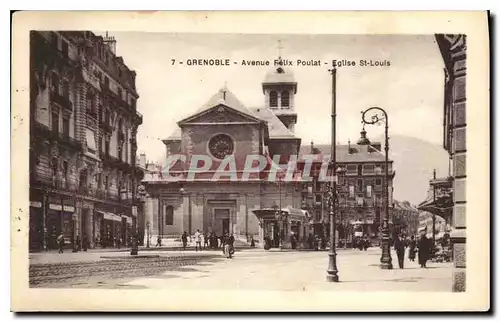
x=332, y=272
x=385, y=259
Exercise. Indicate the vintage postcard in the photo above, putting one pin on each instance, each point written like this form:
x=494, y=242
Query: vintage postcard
x=250, y=161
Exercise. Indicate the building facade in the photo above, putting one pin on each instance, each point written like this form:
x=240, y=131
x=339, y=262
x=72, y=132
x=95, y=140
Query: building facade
x=225, y=129
x=83, y=128
x=453, y=49
x=361, y=188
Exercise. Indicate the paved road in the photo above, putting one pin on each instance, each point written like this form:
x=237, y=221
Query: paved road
x=249, y=270
x=301, y=271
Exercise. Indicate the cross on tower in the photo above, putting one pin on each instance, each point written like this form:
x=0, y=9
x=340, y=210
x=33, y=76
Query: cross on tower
x=280, y=47
x=224, y=90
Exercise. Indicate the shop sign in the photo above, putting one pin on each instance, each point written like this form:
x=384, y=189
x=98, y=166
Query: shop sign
x=55, y=207
x=36, y=204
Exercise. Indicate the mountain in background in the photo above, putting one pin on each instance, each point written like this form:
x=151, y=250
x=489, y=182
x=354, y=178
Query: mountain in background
x=414, y=161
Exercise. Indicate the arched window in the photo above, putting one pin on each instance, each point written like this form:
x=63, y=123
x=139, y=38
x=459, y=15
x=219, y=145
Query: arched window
x=273, y=99
x=169, y=215
x=285, y=99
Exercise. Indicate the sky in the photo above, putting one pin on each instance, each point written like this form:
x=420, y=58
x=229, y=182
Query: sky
x=410, y=89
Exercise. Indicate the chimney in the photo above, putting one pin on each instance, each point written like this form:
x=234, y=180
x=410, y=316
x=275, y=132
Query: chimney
x=312, y=147
x=142, y=160
x=349, y=146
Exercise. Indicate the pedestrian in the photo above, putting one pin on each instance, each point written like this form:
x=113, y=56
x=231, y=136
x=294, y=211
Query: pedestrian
x=197, y=239
x=223, y=244
x=158, y=241
x=85, y=242
x=366, y=243
x=293, y=240
x=424, y=250
x=230, y=246
x=412, y=249
x=184, y=239
x=252, y=242
x=78, y=243
x=60, y=243
x=399, y=246
x=205, y=240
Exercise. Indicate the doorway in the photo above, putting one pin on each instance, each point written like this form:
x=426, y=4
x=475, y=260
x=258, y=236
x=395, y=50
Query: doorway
x=221, y=223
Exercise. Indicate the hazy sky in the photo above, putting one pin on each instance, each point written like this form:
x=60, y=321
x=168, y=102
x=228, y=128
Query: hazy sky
x=411, y=89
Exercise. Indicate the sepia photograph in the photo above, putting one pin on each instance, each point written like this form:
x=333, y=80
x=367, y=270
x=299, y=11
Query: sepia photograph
x=186, y=161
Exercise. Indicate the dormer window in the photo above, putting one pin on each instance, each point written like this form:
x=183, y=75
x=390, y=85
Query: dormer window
x=273, y=99
x=285, y=99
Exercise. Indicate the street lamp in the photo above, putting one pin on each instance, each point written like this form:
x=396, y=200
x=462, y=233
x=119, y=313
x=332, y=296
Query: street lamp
x=332, y=272
x=340, y=174
x=148, y=225
x=385, y=259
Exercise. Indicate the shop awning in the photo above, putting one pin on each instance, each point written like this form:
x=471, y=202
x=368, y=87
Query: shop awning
x=110, y=216
x=291, y=213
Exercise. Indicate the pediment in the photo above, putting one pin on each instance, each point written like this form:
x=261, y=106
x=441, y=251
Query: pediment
x=221, y=114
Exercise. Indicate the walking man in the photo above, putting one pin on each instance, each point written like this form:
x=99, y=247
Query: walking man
x=230, y=246
x=399, y=246
x=205, y=240
x=184, y=239
x=197, y=239
x=424, y=250
x=60, y=243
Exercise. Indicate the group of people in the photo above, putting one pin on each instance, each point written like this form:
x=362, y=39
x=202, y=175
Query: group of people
x=423, y=247
x=211, y=241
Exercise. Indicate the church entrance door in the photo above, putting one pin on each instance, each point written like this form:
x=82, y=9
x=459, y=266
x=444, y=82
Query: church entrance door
x=221, y=221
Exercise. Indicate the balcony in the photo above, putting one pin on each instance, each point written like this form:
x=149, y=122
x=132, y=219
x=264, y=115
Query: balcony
x=61, y=100
x=69, y=142
x=113, y=162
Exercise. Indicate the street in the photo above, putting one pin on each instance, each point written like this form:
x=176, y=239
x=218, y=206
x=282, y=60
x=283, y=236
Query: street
x=248, y=270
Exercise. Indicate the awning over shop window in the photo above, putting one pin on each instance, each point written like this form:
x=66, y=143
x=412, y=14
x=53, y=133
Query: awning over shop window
x=110, y=216
x=291, y=213
x=90, y=138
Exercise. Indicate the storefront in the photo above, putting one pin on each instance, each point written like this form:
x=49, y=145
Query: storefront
x=110, y=228
x=277, y=227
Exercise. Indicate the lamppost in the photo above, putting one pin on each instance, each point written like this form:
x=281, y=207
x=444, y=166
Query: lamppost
x=340, y=175
x=148, y=227
x=332, y=272
x=385, y=259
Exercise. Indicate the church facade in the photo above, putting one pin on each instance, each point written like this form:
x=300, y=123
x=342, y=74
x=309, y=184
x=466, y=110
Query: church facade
x=195, y=194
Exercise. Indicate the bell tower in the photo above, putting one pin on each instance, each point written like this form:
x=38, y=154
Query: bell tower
x=280, y=87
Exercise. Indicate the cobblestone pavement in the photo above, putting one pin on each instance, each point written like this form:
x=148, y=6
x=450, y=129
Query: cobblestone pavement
x=301, y=271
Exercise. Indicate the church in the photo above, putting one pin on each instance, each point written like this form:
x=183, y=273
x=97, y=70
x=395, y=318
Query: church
x=258, y=207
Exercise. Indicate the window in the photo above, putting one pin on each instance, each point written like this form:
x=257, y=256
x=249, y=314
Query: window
x=106, y=81
x=106, y=147
x=54, y=170
x=65, y=89
x=65, y=173
x=91, y=104
x=360, y=169
x=120, y=154
x=134, y=104
x=55, y=83
x=318, y=198
x=351, y=169
x=55, y=121
x=368, y=168
x=83, y=179
x=285, y=99
x=368, y=191
x=106, y=182
x=120, y=93
x=65, y=48
x=351, y=191
x=169, y=215
x=273, y=99
x=66, y=126
x=378, y=182
x=99, y=180
x=359, y=185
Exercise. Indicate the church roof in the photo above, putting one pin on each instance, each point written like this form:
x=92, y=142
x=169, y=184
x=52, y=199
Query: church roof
x=277, y=129
x=226, y=97
x=358, y=153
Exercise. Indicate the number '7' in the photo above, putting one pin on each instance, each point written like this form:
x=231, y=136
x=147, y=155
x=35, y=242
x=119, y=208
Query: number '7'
x=173, y=61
